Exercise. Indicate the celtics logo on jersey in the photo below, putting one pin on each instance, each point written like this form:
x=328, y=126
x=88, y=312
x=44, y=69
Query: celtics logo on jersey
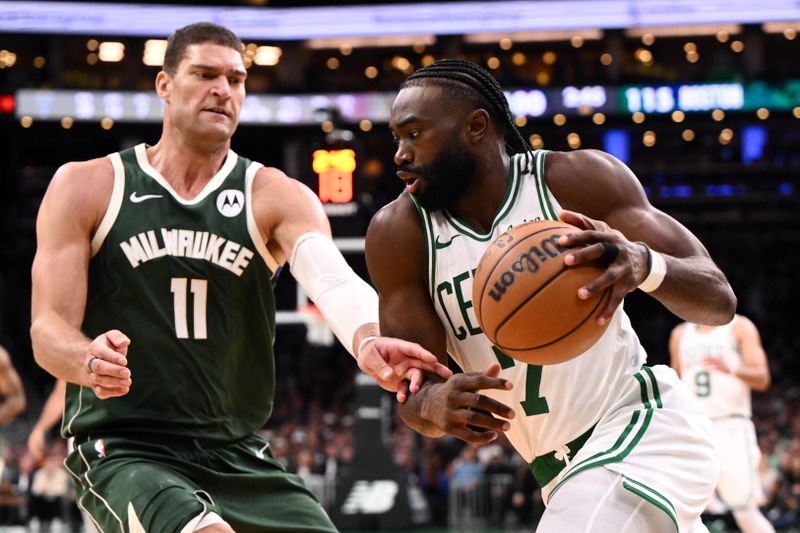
x=230, y=202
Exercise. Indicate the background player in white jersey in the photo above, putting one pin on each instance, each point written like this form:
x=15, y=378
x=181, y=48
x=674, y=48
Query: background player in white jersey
x=721, y=365
x=451, y=121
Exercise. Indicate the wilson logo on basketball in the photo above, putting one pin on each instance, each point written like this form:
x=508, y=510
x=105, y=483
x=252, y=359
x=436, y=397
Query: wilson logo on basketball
x=526, y=299
x=529, y=261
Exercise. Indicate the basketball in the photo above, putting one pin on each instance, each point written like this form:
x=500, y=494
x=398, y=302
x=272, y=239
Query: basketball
x=526, y=298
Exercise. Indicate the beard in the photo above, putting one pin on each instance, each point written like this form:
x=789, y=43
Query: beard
x=447, y=178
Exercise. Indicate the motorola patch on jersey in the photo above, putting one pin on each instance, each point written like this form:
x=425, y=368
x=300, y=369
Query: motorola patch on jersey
x=230, y=202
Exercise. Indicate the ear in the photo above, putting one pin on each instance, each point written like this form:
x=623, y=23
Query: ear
x=163, y=85
x=478, y=125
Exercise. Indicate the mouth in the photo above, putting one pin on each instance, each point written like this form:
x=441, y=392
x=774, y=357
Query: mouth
x=412, y=181
x=218, y=111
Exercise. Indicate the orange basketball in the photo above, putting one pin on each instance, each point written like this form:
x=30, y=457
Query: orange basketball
x=526, y=298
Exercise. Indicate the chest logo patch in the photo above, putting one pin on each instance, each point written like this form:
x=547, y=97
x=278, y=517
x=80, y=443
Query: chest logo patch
x=230, y=202
x=138, y=198
x=440, y=245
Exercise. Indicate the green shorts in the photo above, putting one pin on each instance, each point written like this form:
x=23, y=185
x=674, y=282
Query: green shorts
x=168, y=485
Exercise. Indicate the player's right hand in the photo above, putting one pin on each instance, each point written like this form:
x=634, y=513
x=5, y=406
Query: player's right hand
x=455, y=406
x=106, y=365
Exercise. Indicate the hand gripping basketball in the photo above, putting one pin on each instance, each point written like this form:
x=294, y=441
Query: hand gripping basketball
x=526, y=298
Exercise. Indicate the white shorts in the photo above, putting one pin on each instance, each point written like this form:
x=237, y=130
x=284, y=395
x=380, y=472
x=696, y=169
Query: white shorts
x=657, y=438
x=738, y=486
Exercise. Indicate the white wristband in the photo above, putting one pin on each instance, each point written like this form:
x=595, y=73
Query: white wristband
x=366, y=340
x=656, y=272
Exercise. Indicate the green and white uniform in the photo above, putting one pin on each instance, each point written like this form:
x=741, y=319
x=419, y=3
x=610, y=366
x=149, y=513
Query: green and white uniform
x=190, y=283
x=602, y=401
x=726, y=400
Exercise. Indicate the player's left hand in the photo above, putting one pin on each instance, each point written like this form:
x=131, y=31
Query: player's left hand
x=626, y=261
x=398, y=365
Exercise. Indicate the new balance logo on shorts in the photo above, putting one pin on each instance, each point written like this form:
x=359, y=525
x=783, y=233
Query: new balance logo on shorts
x=371, y=497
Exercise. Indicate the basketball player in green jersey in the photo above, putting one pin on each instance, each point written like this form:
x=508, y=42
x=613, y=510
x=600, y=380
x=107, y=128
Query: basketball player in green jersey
x=152, y=299
x=617, y=447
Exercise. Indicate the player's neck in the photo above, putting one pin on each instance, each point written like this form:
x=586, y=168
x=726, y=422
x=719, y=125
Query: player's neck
x=187, y=168
x=479, y=205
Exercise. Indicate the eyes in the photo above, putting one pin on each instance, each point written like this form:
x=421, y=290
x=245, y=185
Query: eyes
x=411, y=134
x=208, y=76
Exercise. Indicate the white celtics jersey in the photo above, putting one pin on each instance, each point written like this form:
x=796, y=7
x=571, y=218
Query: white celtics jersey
x=719, y=394
x=554, y=404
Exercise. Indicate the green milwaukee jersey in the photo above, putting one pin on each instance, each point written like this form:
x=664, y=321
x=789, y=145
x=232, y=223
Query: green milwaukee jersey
x=189, y=282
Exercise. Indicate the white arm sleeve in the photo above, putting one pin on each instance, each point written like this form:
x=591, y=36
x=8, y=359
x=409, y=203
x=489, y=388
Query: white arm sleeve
x=346, y=301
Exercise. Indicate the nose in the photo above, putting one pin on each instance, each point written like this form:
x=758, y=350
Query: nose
x=221, y=87
x=402, y=155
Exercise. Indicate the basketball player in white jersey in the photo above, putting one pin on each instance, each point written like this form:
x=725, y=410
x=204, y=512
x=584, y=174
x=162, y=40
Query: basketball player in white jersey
x=721, y=365
x=617, y=447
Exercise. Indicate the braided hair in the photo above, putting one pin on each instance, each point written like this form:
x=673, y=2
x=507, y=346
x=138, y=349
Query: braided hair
x=473, y=84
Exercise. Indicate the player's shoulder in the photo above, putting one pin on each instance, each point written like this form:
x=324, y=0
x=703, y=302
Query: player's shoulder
x=276, y=182
x=279, y=199
x=274, y=187
x=742, y=324
x=84, y=183
x=578, y=162
x=397, y=224
x=398, y=214
x=99, y=168
x=592, y=182
x=678, y=330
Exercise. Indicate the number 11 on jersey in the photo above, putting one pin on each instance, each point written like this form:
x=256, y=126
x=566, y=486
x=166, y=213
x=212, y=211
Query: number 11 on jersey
x=199, y=288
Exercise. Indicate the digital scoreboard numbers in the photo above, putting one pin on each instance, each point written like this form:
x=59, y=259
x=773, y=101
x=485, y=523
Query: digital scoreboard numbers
x=335, y=168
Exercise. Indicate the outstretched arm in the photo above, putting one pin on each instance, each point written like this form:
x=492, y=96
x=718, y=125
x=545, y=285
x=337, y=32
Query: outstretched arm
x=295, y=228
x=608, y=202
x=395, y=256
x=12, y=394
